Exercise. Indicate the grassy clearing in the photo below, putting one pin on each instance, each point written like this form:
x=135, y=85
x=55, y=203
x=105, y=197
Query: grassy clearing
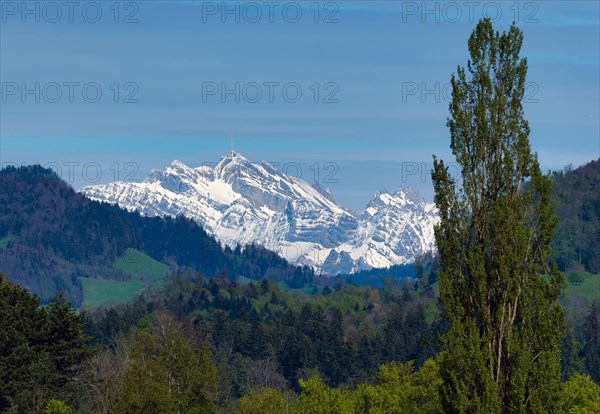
x=589, y=289
x=141, y=266
x=102, y=292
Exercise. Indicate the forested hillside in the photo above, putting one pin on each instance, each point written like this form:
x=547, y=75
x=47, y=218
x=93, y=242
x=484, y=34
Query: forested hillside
x=577, y=240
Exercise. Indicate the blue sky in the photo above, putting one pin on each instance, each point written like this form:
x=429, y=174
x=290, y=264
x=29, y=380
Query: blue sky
x=372, y=78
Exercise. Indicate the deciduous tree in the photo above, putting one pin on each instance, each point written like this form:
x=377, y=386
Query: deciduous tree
x=497, y=287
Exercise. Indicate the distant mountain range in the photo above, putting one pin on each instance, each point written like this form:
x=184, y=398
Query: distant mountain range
x=240, y=203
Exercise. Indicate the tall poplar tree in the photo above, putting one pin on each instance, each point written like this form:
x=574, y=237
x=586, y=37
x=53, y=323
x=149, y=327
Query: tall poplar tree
x=502, y=352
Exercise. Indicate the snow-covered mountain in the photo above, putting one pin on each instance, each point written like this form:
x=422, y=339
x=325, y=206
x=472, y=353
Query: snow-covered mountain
x=241, y=202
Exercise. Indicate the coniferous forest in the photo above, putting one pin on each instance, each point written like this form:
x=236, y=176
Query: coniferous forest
x=494, y=322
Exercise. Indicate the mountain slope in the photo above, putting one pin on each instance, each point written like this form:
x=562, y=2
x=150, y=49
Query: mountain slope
x=54, y=236
x=241, y=202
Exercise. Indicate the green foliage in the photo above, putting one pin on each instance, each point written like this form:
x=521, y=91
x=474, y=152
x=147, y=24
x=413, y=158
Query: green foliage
x=149, y=364
x=590, y=352
x=261, y=401
x=166, y=376
x=570, y=358
x=318, y=398
x=41, y=350
x=57, y=407
x=580, y=395
x=399, y=389
x=502, y=352
x=589, y=289
x=578, y=210
x=426, y=269
x=146, y=387
x=262, y=336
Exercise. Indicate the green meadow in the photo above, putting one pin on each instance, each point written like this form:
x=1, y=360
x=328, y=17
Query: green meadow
x=141, y=266
x=589, y=289
x=103, y=292
x=143, y=269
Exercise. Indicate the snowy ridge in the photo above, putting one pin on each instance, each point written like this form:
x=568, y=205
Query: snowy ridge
x=240, y=202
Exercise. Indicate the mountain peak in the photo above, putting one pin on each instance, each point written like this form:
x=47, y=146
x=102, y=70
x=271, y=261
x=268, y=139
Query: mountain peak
x=178, y=166
x=234, y=154
x=232, y=159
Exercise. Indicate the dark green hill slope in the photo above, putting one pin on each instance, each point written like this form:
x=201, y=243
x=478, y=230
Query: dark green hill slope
x=577, y=240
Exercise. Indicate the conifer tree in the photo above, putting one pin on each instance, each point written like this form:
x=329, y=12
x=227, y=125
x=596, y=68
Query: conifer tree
x=502, y=352
x=41, y=350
